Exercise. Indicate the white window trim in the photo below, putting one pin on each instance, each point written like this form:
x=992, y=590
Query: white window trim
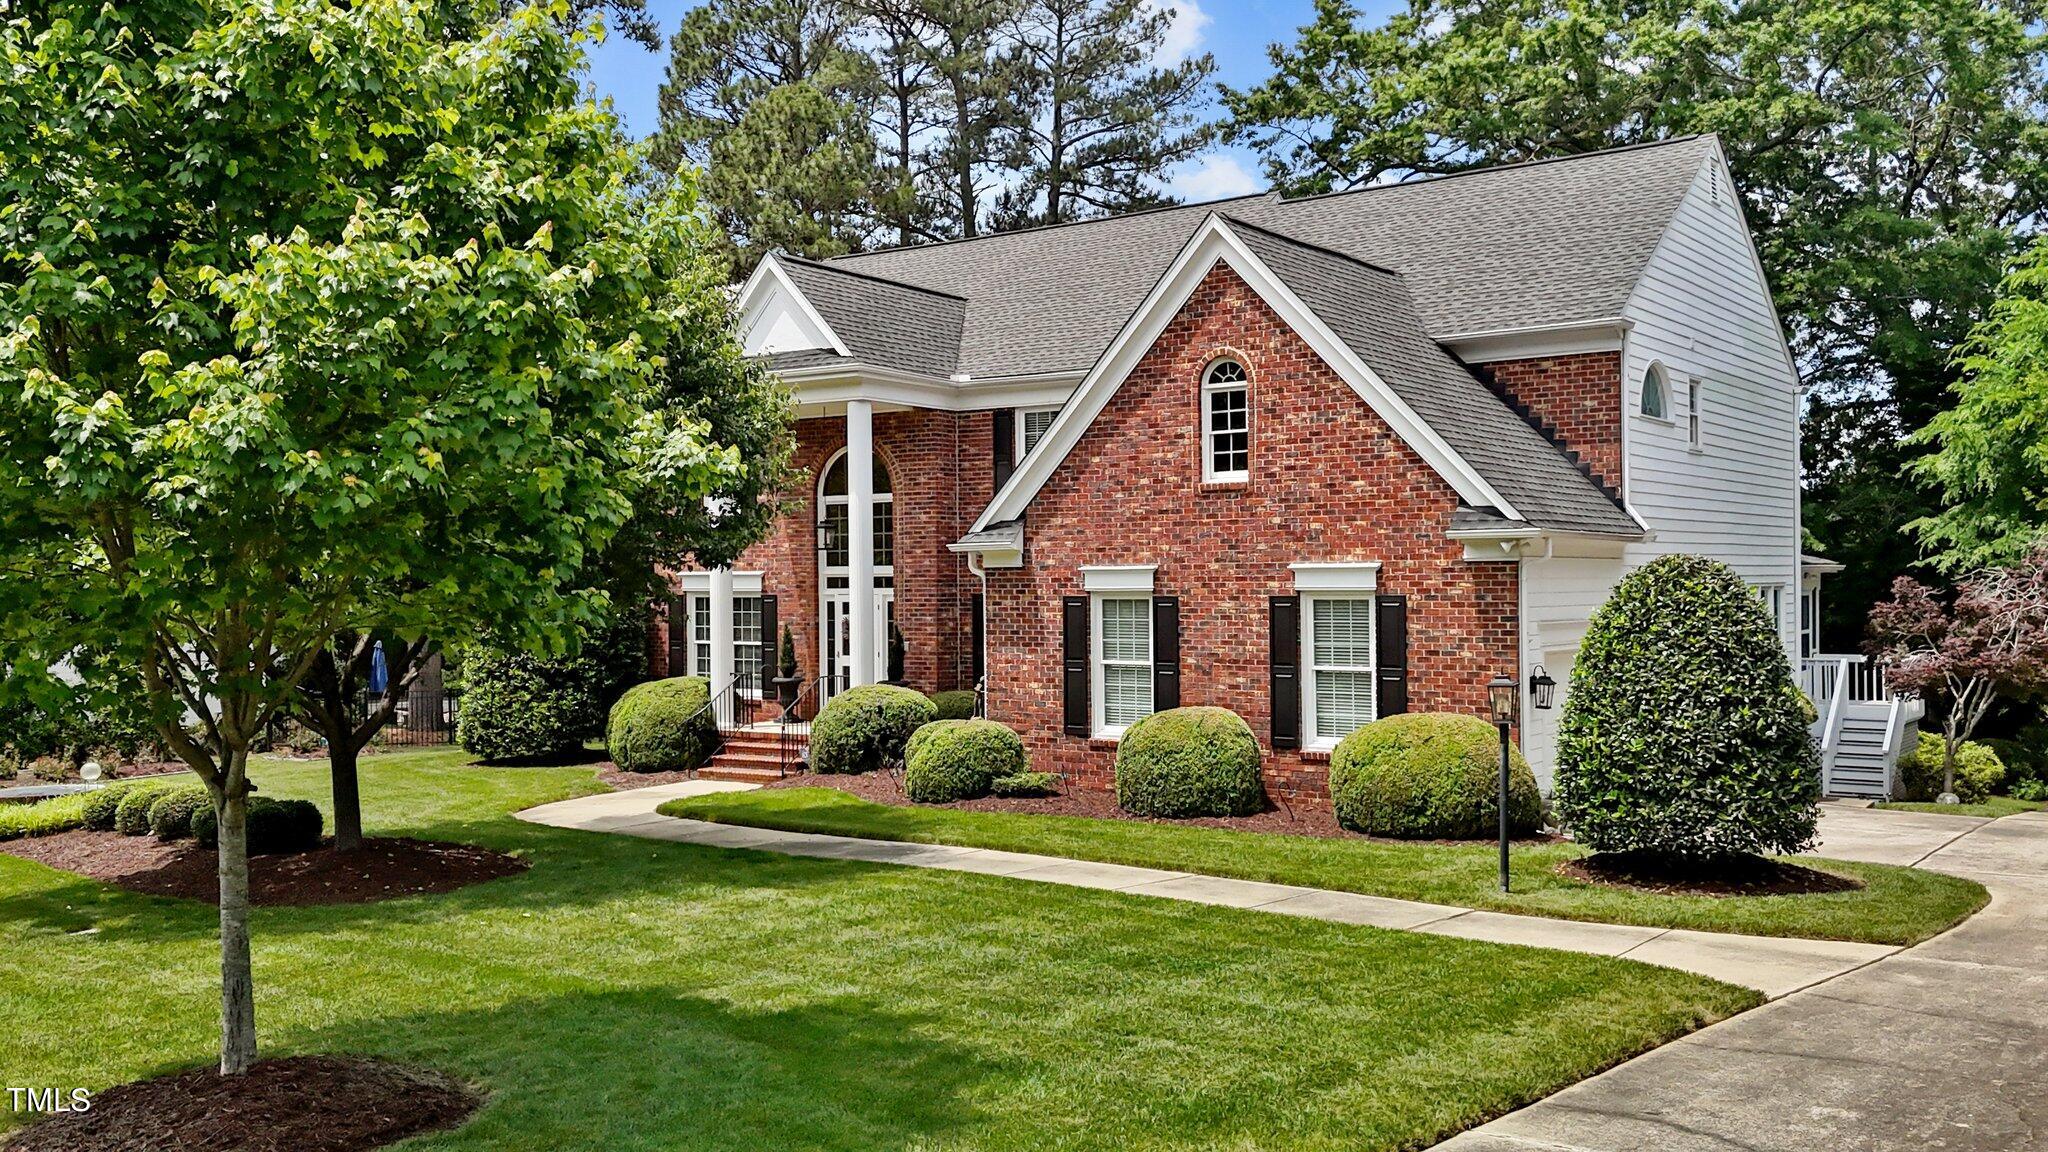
x=1118, y=577
x=1310, y=740
x=1358, y=576
x=743, y=583
x=1019, y=439
x=1210, y=388
x=697, y=600
x=1103, y=729
x=1695, y=415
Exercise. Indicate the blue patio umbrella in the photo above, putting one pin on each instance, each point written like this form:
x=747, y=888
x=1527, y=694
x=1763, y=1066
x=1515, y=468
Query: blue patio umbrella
x=379, y=675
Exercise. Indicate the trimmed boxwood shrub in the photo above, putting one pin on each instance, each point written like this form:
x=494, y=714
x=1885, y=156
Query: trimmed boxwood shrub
x=955, y=705
x=1024, y=785
x=170, y=817
x=1430, y=776
x=1979, y=771
x=276, y=827
x=1189, y=762
x=1682, y=734
x=663, y=726
x=131, y=815
x=101, y=804
x=864, y=728
x=950, y=760
x=516, y=707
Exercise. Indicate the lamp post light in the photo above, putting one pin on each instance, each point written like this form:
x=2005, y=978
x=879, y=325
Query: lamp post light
x=1502, y=695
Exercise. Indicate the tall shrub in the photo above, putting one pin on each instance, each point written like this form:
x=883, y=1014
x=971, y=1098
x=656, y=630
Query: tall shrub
x=1682, y=734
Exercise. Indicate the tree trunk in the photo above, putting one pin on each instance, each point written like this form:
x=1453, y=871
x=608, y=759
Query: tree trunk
x=348, y=799
x=237, y=973
x=1948, y=763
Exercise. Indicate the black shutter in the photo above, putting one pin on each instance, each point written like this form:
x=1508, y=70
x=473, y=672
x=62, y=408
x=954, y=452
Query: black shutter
x=771, y=644
x=978, y=629
x=679, y=636
x=1283, y=644
x=1165, y=653
x=1390, y=643
x=1005, y=445
x=1074, y=633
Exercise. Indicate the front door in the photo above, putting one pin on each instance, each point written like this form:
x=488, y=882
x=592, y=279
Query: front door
x=838, y=636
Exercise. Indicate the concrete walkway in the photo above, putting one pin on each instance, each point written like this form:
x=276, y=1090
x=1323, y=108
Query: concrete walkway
x=1944, y=1045
x=1772, y=965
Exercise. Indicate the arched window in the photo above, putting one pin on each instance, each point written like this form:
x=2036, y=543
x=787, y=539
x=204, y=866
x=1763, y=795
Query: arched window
x=1656, y=397
x=832, y=510
x=1226, y=422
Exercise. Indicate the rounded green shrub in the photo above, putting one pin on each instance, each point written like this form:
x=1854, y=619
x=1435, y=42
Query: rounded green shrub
x=275, y=827
x=170, y=818
x=1430, y=776
x=1025, y=785
x=950, y=760
x=954, y=705
x=1979, y=771
x=1189, y=762
x=1683, y=734
x=102, y=804
x=131, y=815
x=663, y=726
x=516, y=707
x=864, y=728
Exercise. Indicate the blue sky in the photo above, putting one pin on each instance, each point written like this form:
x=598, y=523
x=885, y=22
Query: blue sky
x=1236, y=32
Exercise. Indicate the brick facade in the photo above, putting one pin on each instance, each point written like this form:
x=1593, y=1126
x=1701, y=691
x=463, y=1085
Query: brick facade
x=1329, y=481
x=1576, y=398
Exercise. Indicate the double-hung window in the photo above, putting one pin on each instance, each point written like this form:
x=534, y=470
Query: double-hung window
x=746, y=638
x=1226, y=422
x=1695, y=426
x=1032, y=424
x=1123, y=662
x=1339, y=643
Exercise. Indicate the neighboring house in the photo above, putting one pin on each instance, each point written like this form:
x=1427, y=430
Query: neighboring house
x=1314, y=460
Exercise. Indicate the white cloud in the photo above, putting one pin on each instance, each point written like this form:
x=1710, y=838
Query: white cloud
x=1185, y=33
x=1217, y=177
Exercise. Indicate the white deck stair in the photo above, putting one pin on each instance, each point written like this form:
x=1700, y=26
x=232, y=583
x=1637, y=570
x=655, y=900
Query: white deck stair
x=1863, y=728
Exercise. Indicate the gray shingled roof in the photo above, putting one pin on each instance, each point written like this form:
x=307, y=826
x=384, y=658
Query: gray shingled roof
x=1531, y=245
x=883, y=323
x=1369, y=309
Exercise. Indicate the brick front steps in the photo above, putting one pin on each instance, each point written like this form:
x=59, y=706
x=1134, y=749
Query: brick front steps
x=749, y=757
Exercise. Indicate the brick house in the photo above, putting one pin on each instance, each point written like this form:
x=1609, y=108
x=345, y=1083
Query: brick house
x=1316, y=460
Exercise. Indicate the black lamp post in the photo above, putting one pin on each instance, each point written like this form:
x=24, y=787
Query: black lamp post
x=1502, y=695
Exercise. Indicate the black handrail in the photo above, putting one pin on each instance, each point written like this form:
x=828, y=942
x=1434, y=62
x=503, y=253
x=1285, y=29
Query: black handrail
x=725, y=721
x=795, y=723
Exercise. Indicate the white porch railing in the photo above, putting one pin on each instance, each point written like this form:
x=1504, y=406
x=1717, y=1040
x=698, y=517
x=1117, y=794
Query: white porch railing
x=1861, y=726
x=1824, y=675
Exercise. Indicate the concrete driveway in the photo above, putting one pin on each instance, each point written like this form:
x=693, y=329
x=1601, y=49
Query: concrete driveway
x=1942, y=1046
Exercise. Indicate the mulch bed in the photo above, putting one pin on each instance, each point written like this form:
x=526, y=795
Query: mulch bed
x=382, y=869
x=299, y=1104
x=1726, y=876
x=620, y=780
x=1301, y=819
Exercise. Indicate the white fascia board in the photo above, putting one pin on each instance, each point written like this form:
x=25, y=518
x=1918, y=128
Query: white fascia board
x=1531, y=343
x=743, y=583
x=1212, y=244
x=769, y=275
x=1355, y=576
x=1117, y=577
x=830, y=384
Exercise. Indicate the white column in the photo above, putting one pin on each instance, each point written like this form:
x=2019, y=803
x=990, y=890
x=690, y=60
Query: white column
x=860, y=536
x=721, y=639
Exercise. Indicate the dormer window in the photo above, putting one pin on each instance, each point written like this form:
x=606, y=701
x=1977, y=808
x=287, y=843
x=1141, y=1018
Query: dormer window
x=1226, y=422
x=1656, y=403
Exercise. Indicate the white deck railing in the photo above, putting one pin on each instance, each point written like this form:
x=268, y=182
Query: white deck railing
x=1824, y=676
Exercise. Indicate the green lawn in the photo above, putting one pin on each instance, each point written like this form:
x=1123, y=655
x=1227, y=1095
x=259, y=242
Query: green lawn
x=634, y=996
x=1896, y=906
x=1993, y=807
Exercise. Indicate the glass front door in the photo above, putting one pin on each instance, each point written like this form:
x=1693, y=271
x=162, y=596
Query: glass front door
x=838, y=635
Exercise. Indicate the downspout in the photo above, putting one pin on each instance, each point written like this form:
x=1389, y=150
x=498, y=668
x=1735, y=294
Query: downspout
x=974, y=567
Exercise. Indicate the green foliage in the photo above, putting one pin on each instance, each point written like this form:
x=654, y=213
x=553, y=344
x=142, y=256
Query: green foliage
x=866, y=728
x=73, y=726
x=950, y=760
x=518, y=707
x=170, y=815
x=1808, y=710
x=1979, y=771
x=276, y=827
x=1025, y=785
x=786, y=666
x=1189, y=762
x=131, y=814
x=101, y=804
x=2025, y=756
x=663, y=726
x=2032, y=789
x=44, y=817
x=954, y=705
x=1430, y=776
x=1681, y=733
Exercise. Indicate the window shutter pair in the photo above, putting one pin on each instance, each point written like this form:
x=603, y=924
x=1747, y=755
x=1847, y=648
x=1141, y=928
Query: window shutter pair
x=1076, y=642
x=1390, y=657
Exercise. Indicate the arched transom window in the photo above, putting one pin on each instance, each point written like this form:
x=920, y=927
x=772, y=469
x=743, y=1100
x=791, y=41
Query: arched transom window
x=1656, y=403
x=1226, y=422
x=832, y=509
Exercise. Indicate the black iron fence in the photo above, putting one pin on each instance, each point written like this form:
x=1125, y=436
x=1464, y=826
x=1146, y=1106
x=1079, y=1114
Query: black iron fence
x=426, y=715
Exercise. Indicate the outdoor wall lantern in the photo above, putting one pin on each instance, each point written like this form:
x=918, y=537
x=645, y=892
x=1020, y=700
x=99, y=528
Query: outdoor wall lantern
x=1542, y=689
x=1501, y=692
